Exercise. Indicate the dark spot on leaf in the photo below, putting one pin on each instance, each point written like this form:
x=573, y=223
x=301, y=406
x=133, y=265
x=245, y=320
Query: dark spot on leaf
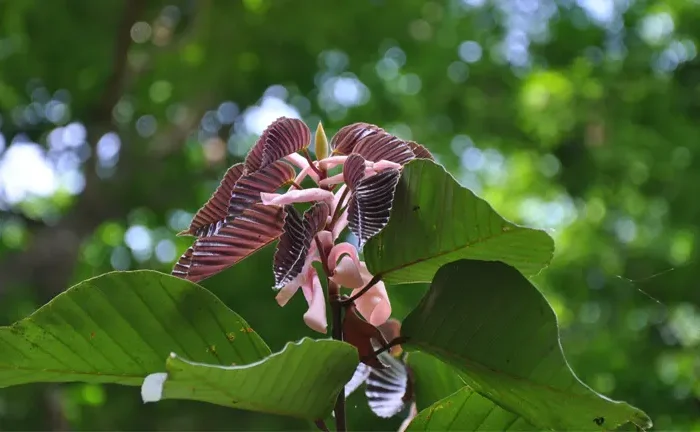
x=416, y=208
x=92, y=335
x=599, y=420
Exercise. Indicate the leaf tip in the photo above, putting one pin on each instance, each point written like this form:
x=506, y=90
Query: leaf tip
x=152, y=387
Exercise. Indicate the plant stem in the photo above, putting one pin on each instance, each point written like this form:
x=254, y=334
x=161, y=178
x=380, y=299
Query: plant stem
x=321, y=175
x=339, y=209
x=336, y=331
x=375, y=279
x=396, y=341
x=321, y=425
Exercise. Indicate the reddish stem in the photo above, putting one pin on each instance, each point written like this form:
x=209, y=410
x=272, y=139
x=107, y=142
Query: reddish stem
x=321, y=174
x=375, y=279
x=339, y=208
x=336, y=330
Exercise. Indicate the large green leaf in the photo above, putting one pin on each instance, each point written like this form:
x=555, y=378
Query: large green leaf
x=435, y=221
x=120, y=327
x=447, y=403
x=468, y=410
x=486, y=319
x=302, y=380
x=433, y=378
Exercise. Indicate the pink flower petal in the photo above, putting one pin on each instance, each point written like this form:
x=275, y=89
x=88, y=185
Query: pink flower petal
x=385, y=164
x=331, y=162
x=333, y=180
x=372, y=168
x=298, y=160
x=306, y=172
x=326, y=240
x=336, y=199
x=315, y=316
x=338, y=251
x=288, y=291
x=347, y=274
x=374, y=304
x=340, y=224
x=369, y=171
x=297, y=196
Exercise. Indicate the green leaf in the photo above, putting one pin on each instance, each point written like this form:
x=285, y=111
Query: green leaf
x=302, y=380
x=433, y=379
x=486, y=319
x=446, y=403
x=447, y=222
x=467, y=410
x=120, y=327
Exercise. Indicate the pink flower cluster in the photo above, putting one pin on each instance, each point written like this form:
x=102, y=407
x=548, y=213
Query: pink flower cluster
x=344, y=265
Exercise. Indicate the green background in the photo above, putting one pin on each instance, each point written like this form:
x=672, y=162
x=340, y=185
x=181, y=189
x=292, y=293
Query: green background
x=580, y=120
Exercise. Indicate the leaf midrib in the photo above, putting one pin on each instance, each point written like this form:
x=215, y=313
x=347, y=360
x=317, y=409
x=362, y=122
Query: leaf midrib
x=5, y=366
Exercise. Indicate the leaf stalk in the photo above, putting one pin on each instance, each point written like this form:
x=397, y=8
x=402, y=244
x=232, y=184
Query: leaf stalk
x=336, y=331
x=372, y=282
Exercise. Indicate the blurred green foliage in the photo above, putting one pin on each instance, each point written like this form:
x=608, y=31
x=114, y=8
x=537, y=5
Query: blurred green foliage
x=577, y=117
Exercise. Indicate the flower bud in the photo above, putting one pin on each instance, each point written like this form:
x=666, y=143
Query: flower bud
x=321, y=144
